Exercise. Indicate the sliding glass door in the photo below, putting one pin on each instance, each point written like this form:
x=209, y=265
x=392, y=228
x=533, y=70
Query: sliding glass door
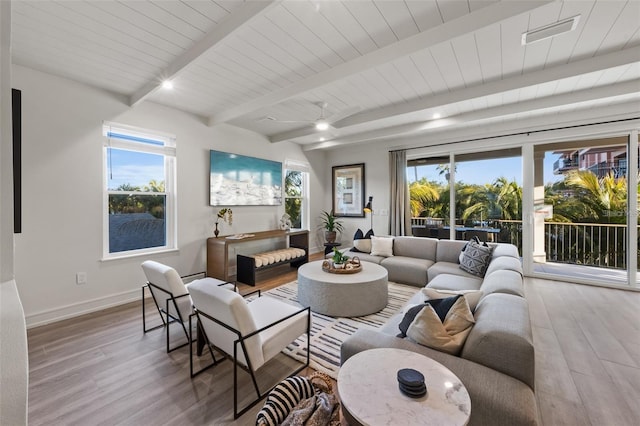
x=570, y=204
x=580, y=211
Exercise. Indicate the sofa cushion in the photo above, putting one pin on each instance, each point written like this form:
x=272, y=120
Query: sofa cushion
x=500, y=250
x=449, y=251
x=496, y=398
x=382, y=246
x=417, y=247
x=366, y=257
x=501, y=338
x=407, y=270
x=447, y=268
x=503, y=281
x=476, y=258
x=504, y=263
x=455, y=282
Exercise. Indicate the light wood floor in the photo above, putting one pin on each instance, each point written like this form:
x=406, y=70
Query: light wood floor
x=100, y=369
x=587, y=342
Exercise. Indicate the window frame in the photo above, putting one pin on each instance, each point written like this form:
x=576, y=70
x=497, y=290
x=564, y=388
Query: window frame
x=167, y=148
x=296, y=166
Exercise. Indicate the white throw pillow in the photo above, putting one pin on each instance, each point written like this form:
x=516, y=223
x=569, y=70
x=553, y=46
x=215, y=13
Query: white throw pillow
x=472, y=296
x=448, y=336
x=382, y=246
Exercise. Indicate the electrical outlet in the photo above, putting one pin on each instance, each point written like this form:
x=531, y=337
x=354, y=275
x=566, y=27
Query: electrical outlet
x=81, y=278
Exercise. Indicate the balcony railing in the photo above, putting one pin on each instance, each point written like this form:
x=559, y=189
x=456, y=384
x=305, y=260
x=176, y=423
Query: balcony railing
x=588, y=244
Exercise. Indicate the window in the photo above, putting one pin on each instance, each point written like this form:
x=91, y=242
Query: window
x=139, y=198
x=296, y=193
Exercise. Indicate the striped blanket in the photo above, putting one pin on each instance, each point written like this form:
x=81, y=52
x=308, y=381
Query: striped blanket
x=328, y=333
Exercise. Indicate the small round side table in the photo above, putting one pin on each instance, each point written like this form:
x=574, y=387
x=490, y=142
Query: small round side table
x=368, y=389
x=328, y=247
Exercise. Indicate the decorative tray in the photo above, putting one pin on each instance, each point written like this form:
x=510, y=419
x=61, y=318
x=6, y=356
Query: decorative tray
x=351, y=267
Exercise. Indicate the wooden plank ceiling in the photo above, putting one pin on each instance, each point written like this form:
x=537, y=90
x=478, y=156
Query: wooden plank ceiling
x=384, y=68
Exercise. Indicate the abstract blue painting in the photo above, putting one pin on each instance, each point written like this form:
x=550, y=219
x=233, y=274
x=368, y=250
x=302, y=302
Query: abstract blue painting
x=239, y=180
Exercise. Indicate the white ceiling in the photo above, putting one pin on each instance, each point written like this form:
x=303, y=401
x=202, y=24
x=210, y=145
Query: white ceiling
x=384, y=67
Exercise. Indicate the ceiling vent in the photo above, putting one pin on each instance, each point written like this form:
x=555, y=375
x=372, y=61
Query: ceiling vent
x=550, y=30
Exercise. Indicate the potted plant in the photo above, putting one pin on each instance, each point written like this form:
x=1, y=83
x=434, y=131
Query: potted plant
x=338, y=259
x=331, y=226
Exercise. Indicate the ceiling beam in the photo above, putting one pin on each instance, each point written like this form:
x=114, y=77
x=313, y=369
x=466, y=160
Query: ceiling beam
x=499, y=113
x=584, y=66
x=228, y=26
x=581, y=67
x=474, y=21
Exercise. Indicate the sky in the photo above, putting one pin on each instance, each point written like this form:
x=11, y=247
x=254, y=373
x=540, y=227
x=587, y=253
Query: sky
x=487, y=171
x=138, y=169
x=134, y=168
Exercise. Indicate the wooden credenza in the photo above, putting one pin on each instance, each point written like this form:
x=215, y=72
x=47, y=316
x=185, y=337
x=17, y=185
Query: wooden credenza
x=221, y=251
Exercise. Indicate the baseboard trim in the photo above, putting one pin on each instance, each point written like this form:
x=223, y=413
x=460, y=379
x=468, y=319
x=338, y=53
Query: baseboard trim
x=81, y=308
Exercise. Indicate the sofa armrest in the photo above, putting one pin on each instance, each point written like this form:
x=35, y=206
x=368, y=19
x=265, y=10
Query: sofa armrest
x=502, y=338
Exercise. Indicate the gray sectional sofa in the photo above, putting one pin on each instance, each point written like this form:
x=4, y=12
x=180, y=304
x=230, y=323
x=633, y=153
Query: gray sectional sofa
x=497, y=362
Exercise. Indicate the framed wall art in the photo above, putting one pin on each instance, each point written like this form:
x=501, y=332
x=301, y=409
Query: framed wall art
x=348, y=190
x=239, y=180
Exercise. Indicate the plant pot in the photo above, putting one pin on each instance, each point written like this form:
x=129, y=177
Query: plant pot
x=338, y=266
x=330, y=236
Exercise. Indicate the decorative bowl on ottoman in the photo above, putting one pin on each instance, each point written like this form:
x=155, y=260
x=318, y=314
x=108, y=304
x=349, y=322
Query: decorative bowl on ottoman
x=349, y=267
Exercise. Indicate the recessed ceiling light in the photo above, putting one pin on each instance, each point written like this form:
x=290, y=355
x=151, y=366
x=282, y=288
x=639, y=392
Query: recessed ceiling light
x=436, y=115
x=167, y=84
x=322, y=139
x=322, y=125
x=550, y=30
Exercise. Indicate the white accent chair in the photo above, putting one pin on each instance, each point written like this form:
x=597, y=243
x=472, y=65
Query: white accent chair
x=171, y=297
x=249, y=333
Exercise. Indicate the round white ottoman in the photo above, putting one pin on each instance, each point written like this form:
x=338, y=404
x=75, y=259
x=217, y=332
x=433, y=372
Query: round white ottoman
x=343, y=295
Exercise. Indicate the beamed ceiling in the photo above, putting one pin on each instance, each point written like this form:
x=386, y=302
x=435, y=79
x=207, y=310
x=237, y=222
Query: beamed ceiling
x=384, y=68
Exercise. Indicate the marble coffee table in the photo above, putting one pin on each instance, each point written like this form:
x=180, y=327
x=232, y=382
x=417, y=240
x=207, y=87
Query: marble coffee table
x=369, y=393
x=343, y=295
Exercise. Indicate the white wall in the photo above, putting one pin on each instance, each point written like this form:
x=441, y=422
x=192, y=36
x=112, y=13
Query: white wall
x=62, y=195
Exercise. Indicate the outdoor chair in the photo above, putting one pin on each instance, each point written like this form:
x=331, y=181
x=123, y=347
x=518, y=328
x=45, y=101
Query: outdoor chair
x=443, y=234
x=171, y=297
x=248, y=333
x=481, y=235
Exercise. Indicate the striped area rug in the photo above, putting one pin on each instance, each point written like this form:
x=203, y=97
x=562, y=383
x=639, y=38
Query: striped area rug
x=328, y=333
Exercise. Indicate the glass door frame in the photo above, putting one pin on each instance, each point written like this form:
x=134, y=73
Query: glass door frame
x=586, y=132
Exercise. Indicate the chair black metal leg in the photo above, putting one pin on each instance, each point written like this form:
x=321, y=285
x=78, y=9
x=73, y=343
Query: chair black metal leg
x=144, y=314
x=171, y=319
x=204, y=336
x=249, y=370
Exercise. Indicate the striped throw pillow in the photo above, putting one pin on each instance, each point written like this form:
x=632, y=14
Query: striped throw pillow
x=282, y=399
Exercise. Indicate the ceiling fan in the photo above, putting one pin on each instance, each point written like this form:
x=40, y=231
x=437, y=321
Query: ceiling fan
x=321, y=123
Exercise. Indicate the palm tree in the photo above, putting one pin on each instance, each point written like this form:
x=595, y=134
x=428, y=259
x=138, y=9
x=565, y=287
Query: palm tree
x=605, y=199
x=586, y=198
x=509, y=199
x=422, y=195
x=154, y=186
